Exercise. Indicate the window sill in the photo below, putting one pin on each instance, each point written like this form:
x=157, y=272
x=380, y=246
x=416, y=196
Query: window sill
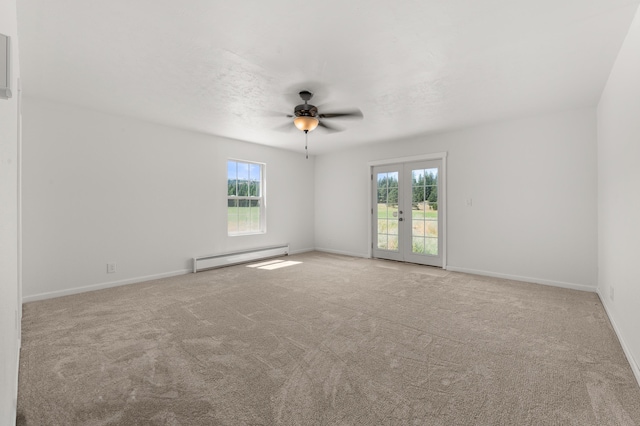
x=246, y=233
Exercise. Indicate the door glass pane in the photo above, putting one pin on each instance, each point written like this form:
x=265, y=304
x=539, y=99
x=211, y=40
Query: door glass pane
x=392, y=227
x=393, y=242
x=418, y=245
x=431, y=246
x=382, y=241
x=424, y=211
x=387, y=210
x=392, y=178
x=431, y=176
x=418, y=228
x=417, y=194
x=431, y=194
x=431, y=228
x=431, y=211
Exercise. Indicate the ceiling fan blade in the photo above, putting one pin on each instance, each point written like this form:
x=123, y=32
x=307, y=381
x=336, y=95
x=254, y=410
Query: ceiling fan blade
x=355, y=113
x=287, y=127
x=271, y=113
x=328, y=128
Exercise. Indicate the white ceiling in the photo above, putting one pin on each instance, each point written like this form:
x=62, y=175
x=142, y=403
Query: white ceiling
x=411, y=66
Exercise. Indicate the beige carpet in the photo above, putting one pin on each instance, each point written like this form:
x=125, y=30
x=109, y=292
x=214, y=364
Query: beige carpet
x=333, y=340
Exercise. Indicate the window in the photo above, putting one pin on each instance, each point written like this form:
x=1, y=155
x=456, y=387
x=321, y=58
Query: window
x=245, y=198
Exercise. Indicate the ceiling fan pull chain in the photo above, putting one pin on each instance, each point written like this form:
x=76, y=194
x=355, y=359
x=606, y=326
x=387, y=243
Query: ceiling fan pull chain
x=306, y=139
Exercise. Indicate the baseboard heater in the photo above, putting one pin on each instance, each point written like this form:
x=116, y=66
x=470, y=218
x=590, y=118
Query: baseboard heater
x=227, y=259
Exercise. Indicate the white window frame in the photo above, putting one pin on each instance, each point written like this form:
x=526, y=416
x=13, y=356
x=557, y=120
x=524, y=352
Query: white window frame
x=261, y=197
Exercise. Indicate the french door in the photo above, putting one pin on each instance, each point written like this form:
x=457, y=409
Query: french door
x=407, y=214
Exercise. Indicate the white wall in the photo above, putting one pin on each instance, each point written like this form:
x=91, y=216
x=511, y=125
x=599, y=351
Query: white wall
x=618, y=189
x=100, y=188
x=10, y=306
x=533, y=185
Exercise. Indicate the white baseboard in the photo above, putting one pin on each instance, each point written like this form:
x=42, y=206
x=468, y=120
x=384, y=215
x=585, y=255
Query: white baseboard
x=552, y=283
x=344, y=253
x=625, y=347
x=70, y=291
x=300, y=251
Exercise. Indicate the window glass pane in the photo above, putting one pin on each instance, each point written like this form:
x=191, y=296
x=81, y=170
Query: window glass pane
x=254, y=215
x=244, y=181
x=232, y=172
x=231, y=177
x=243, y=171
x=254, y=172
x=253, y=188
x=232, y=216
x=243, y=188
x=244, y=223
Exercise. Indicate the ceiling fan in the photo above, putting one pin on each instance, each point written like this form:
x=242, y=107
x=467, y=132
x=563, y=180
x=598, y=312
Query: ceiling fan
x=306, y=117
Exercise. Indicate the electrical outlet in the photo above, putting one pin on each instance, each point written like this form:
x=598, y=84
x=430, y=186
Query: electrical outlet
x=111, y=268
x=611, y=292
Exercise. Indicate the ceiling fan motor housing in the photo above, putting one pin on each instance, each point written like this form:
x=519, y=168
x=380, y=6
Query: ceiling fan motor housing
x=306, y=110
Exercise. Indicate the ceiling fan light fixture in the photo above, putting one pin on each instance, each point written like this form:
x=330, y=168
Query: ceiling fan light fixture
x=306, y=123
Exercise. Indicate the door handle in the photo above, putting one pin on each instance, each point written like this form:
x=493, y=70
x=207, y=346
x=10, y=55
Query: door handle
x=400, y=219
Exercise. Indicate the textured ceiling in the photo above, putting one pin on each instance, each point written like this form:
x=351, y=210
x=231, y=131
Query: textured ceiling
x=412, y=67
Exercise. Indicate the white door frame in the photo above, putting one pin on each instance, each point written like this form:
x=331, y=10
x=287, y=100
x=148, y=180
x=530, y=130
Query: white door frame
x=442, y=197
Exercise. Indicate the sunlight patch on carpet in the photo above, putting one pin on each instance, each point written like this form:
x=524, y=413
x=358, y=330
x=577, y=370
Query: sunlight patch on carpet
x=261, y=264
x=280, y=265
